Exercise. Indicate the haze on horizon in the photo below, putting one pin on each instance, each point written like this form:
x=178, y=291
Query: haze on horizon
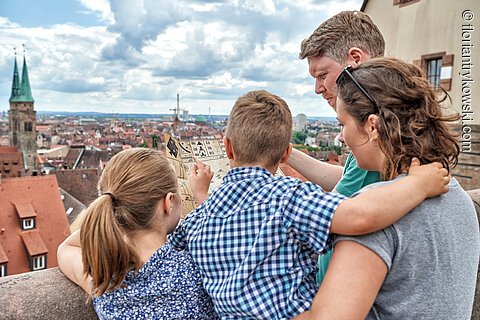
x=119, y=56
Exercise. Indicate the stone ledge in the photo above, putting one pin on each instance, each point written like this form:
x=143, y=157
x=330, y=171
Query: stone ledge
x=45, y=294
x=48, y=294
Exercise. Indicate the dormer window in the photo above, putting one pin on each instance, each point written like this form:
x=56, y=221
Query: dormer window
x=36, y=249
x=39, y=262
x=28, y=224
x=26, y=215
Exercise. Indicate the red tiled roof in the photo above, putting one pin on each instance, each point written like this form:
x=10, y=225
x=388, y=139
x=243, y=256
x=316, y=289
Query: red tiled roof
x=289, y=171
x=33, y=242
x=11, y=162
x=8, y=149
x=80, y=183
x=51, y=223
x=25, y=210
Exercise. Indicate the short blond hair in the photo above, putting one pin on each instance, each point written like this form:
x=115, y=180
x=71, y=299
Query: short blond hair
x=260, y=128
x=334, y=37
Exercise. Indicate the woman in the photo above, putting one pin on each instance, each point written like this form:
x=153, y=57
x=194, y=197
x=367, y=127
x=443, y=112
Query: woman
x=121, y=256
x=425, y=265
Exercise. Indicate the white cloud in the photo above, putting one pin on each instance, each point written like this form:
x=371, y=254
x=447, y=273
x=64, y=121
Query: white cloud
x=102, y=7
x=210, y=51
x=266, y=7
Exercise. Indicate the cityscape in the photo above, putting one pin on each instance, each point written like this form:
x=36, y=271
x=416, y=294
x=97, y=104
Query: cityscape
x=52, y=158
x=70, y=150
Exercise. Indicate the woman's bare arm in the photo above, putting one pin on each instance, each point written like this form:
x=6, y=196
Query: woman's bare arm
x=353, y=279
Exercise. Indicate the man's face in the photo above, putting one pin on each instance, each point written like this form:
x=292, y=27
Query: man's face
x=325, y=71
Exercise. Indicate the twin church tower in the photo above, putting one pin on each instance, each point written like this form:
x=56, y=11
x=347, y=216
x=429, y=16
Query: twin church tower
x=22, y=117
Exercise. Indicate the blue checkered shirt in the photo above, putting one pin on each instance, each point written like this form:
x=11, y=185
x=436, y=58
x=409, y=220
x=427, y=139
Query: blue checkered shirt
x=255, y=240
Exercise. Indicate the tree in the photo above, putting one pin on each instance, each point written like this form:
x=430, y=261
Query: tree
x=298, y=137
x=143, y=145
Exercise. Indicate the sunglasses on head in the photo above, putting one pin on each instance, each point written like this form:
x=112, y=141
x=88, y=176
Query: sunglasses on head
x=347, y=72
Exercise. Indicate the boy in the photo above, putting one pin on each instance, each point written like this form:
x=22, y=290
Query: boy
x=254, y=239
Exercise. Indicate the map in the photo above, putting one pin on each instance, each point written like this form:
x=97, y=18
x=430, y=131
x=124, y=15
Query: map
x=181, y=153
x=211, y=152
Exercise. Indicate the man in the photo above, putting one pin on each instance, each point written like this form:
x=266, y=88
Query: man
x=348, y=38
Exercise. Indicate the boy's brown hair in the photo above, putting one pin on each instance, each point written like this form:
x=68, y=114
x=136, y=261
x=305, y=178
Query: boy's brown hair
x=334, y=37
x=260, y=128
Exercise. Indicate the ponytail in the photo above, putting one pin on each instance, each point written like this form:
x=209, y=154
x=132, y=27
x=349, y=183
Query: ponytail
x=107, y=255
x=132, y=184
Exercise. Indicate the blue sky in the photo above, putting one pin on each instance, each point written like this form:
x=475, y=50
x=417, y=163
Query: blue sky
x=46, y=13
x=135, y=55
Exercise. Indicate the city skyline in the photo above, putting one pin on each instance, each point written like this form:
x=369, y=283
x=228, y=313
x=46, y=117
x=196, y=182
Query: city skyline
x=134, y=57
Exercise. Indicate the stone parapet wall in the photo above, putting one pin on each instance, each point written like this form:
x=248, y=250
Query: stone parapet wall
x=48, y=294
x=467, y=172
x=45, y=294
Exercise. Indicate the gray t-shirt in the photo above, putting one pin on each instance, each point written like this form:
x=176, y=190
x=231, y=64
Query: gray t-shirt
x=432, y=257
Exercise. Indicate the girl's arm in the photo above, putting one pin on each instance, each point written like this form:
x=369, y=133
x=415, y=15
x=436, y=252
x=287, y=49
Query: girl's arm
x=69, y=256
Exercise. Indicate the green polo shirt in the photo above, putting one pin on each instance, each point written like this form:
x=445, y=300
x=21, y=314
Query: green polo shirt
x=353, y=179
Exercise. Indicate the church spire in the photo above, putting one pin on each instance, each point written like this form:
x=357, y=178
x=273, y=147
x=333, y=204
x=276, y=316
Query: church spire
x=15, y=83
x=25, y=89
x=21, y=91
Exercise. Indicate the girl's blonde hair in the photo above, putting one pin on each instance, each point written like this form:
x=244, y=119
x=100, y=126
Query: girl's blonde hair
x=131, y=185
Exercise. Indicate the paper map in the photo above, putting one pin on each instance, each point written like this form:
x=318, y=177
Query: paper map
x=211, y=152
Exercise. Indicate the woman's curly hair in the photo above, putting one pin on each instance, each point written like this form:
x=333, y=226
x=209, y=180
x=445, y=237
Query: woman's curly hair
x=411, y=122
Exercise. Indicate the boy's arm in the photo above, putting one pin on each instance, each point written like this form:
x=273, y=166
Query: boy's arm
x=321, y=173
x=354, y=277
x=378, y=208
x=199, y=178
x=69, y=256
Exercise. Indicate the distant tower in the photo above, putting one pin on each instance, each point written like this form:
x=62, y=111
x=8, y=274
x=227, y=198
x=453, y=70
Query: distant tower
x=22, y=117
x=176, y=121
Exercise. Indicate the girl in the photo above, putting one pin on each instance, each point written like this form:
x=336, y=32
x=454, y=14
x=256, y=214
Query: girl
x=121, y=257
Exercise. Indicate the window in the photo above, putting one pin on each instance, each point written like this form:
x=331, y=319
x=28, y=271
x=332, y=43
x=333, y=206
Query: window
x=38, y=263
x=28, y=126
x=3, y=270
x=402, y=3
x=438, y=68
x=434, y=69
x=28, y=224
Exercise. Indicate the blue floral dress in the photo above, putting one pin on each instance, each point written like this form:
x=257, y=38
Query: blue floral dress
x=168, y=286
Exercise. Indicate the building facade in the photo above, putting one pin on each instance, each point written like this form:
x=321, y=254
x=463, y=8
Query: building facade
x=442, y=37
x=22, y=117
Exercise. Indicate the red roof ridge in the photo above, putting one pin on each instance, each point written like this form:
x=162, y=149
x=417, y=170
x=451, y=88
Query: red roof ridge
x=46, y=176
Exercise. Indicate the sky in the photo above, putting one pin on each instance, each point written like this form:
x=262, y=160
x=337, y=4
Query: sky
x=134, y=56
